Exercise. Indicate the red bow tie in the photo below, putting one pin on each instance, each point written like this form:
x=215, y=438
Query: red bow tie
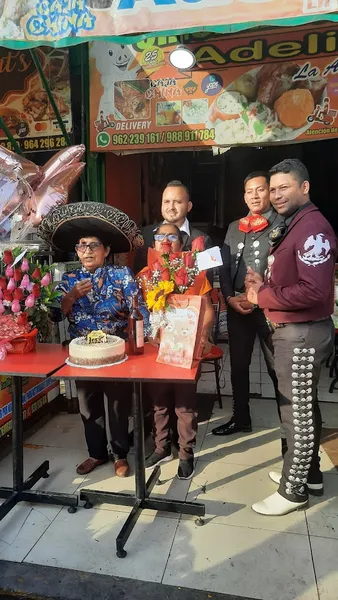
x=253, y=223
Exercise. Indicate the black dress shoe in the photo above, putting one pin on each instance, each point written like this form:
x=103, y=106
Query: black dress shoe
x=232, y=427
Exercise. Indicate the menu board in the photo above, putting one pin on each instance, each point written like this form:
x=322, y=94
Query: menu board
x=24, y=104
x=260, y=88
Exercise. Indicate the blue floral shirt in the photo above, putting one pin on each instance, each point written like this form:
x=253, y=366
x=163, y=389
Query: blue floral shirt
x=108, y=305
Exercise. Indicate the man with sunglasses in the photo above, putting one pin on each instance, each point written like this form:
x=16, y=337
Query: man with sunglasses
x=176, y=205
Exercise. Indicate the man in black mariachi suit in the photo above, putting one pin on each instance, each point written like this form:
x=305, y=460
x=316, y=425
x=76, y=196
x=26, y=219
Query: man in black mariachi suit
x=246, y=245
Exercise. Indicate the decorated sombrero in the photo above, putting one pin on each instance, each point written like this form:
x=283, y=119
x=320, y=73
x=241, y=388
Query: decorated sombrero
x=66, y=224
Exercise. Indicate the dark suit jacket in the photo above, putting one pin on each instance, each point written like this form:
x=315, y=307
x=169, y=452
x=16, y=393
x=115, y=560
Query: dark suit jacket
x=232, y=253
x=148, y=234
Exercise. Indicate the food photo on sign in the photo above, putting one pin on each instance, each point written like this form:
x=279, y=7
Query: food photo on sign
x=272, y=88
x=24, y=104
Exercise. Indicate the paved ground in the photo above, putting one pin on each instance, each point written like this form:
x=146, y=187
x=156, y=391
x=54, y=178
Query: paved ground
x=237, y=552
x=39, y=582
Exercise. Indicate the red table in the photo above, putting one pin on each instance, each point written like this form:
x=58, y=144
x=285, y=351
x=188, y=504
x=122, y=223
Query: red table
x=42, y=363
x=138, y=369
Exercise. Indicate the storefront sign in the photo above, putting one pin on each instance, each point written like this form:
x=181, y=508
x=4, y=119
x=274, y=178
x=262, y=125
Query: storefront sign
x=63, y=20
x=36, y=393
x=24, y=104
x=259, y=88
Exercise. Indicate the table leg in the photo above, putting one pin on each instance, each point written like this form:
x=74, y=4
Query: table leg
x=140, y=477
x=17, y=433
x=21, y=490
x=141, y=499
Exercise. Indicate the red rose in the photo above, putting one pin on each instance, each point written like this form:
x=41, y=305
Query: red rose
x=36, y=290
x=36, y=273
x=174, y=255
x=188, y=260
x=17, y=275
x=3, y=283
x=18, y=294
x=198, y=244
x=8, y=257
x=23, y=318
x=156, y=266
x=166, y=247
x=165, y=275
x=8, y=296
x=147, y=273
x=181, y=277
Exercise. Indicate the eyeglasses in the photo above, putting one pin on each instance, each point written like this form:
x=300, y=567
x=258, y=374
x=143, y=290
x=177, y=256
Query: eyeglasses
x=160, y=237
x=92, y=247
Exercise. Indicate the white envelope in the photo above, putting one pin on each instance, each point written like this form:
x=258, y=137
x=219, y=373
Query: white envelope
x=209, y=259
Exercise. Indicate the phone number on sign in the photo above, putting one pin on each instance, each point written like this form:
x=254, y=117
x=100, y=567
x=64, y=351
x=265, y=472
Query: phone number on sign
x=35, y=144
x=157, y=137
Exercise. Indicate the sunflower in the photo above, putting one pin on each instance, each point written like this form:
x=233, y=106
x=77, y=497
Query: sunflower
x=156, y=298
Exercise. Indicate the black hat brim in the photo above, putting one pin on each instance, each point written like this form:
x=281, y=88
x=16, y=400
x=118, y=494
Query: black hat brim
x=65, y=225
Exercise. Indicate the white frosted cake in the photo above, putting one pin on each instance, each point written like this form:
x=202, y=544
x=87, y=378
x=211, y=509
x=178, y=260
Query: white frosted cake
x=97, y=349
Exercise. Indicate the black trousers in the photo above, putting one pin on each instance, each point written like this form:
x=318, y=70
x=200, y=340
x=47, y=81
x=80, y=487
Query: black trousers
x=92, y=408
x=300, y=350
x=242, y=331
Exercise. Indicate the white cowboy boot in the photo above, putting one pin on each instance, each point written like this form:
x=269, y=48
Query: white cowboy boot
x=276, y=506
x=316, y=489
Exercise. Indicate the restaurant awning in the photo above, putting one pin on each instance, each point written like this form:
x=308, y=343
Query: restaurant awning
x=60, y=23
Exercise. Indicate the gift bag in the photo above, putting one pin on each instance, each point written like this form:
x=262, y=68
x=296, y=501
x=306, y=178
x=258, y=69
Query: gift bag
x=181, y=337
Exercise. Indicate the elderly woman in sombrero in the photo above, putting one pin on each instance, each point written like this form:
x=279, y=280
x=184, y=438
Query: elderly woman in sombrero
x=98, y=296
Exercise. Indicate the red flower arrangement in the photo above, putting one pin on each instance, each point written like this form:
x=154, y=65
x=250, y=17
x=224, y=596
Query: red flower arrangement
x=26, y=293
x=179, y=268
x=169, y=273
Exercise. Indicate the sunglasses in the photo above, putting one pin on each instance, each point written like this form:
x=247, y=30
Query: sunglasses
x=83, y=247
x=160, y=237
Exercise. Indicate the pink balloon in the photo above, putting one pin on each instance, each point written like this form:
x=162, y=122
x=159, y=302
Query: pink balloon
x=63, y=159
x=20, y=166
x=55, y=191
x=14, y=191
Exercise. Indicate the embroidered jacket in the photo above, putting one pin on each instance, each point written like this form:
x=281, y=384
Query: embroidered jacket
x=108, y=305
x=299, y=281
x=242, y=250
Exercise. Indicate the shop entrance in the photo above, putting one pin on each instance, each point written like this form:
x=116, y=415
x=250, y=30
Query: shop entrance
x=216, y=182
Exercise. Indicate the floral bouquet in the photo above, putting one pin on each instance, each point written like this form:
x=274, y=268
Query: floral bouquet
x=169, y=273
x=26, y=294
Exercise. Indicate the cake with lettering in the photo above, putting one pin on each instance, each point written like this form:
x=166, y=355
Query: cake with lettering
x=97, y=349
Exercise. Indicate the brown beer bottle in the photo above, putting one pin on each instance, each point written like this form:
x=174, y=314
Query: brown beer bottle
x=135, y=329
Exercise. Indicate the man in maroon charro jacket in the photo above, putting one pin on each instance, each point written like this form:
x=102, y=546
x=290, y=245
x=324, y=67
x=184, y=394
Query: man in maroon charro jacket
x=297, y=296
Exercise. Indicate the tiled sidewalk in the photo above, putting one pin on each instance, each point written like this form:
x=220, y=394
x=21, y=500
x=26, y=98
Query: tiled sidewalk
x=236, y=552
